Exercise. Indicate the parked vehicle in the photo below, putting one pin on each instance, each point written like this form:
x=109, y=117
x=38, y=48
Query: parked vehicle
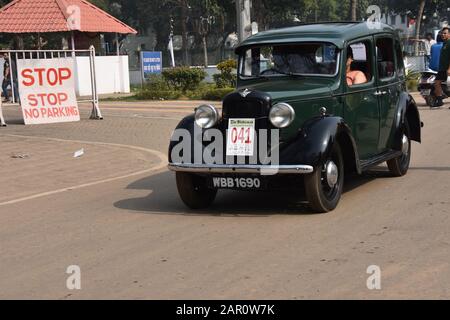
x=328, y=126
x=427, y=89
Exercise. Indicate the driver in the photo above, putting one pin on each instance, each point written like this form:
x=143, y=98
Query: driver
x=353, y=76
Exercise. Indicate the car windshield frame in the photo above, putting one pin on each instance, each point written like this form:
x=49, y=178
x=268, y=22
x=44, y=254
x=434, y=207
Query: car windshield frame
x=242, y=57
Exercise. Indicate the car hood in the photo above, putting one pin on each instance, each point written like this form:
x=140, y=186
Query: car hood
x=293, y=89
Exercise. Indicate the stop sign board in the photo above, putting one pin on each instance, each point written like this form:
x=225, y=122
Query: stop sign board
x=47, y=90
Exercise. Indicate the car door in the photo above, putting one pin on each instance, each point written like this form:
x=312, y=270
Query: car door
x=361, y=109
x=389, y=84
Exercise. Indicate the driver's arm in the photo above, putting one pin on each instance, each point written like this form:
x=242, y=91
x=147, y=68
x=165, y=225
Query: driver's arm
x=360, y=78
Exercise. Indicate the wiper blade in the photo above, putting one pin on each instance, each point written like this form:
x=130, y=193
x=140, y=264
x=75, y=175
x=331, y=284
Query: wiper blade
x=287, y=73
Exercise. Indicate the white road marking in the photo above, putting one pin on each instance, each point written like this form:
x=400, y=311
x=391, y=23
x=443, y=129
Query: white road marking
x=153, y=170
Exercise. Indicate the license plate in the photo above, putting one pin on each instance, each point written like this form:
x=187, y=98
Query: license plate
x=241, y=137
x=236, y=183
x=426, y=92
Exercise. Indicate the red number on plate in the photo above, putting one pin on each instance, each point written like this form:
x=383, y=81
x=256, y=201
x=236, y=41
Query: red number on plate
x=249, y=140
x=241, y=135
x=234, y=135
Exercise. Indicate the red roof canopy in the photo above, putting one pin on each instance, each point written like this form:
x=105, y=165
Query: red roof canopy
x=33, y=16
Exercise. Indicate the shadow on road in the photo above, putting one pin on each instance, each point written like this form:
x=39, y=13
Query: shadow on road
x=14, y=121
x=164, y=198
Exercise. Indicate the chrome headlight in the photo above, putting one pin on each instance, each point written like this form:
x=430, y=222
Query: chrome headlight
x=281, y=115
x=206, y=116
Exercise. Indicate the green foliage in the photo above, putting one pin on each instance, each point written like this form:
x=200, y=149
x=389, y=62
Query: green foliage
x=227, y=78
x=269, y=14
x=216, y=94
x=227, y=66
x=157, y=88
x=184, y=78
x=412, y=80
x=412, y=75
x=200, y=91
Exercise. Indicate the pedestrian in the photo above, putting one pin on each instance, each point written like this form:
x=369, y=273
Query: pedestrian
x=428, y=42
x=444, y=68
x=9, y=67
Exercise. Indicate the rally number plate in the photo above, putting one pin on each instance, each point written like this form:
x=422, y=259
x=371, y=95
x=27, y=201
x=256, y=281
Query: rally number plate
x=241, y=137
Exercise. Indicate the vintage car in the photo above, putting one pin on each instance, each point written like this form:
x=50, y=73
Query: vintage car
x=334, y=94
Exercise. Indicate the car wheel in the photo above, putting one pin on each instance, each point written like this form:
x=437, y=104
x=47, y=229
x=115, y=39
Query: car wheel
x=194, y=191
x=324, y=187
x=399, y=166
x=429, y=100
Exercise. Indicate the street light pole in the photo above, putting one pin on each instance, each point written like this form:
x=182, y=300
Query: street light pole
x=170, y=47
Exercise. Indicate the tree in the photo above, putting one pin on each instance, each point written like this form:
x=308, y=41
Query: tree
x=204, y=20
x=419, y=22
x=354, y=6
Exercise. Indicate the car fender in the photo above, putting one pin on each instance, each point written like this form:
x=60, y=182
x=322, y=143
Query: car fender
x=407, y=109
x=187, y=123
x=315, y=142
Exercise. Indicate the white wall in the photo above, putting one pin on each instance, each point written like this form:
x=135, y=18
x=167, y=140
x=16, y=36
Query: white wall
x=112, y=75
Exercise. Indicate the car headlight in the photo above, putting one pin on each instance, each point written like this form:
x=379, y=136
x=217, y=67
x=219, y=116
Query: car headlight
x=281, y=115
x=206, y=116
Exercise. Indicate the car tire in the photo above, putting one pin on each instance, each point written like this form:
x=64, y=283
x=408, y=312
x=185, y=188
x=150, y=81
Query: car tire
x=431, y=100
x=193, y=190
x=323, y=198
x=399, y=166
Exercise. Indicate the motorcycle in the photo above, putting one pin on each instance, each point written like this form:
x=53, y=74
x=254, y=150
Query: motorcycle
x=427, y=89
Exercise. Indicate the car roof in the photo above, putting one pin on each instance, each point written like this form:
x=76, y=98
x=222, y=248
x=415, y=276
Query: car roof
x=337, y=33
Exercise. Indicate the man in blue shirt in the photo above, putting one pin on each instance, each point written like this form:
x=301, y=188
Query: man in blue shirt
x=435, y=53
x=444, y=68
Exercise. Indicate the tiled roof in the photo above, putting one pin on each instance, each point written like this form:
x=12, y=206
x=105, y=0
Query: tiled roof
x=32, y=16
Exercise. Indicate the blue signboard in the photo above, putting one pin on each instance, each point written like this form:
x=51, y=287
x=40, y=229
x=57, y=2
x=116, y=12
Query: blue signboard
x=151, y=63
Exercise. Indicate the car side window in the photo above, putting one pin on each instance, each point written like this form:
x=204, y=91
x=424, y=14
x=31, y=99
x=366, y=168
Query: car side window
x=359, y=67
x=385, y=58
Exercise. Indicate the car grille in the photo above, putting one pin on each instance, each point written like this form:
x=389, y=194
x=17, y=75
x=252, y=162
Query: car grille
x=254, y=106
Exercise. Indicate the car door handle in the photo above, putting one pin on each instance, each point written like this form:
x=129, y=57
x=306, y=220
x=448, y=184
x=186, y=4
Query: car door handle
x=380, y=93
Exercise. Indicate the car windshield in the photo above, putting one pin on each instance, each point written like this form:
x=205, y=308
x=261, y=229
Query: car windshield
x=317, y=59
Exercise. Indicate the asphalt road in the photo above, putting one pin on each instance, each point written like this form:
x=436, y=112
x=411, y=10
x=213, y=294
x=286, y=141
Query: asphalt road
x=133, y=238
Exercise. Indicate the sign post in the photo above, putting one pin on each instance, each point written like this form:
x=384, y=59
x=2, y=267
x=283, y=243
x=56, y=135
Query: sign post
x=151, y=63
x=2, y=120
x=47, y=90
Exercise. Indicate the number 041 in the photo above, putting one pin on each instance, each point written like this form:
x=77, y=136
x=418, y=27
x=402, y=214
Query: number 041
x=243, y=135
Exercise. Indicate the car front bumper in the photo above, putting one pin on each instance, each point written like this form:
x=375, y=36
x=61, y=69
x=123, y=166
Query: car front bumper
x=223, y=168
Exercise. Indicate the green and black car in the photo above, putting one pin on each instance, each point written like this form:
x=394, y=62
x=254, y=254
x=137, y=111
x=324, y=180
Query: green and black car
x=325, y=100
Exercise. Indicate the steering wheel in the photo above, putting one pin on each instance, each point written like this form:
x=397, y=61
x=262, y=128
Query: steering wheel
x=273, y=70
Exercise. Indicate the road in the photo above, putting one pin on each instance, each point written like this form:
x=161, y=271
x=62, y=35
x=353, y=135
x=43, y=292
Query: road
x=123, y=224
